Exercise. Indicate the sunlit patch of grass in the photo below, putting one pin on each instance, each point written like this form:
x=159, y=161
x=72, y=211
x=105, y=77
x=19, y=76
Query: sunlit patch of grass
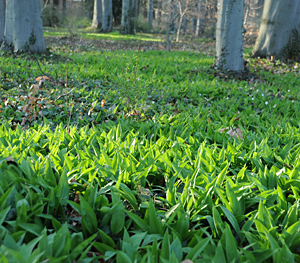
x=52, y=32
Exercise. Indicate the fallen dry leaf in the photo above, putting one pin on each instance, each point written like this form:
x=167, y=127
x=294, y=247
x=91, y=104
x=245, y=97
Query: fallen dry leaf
x=23, y=122
x=234, y=133
x=187, y=261
x=42, y=78
x=34, y=88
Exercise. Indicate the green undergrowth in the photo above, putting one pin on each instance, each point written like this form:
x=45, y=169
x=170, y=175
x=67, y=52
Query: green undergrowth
x=120, y=157
x=91, y=34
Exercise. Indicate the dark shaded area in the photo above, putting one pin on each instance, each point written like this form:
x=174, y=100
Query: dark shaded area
x=117, y=12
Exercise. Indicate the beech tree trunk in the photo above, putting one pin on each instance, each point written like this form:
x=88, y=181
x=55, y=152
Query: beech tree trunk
x=107, y=15
x=128, y=17
x=97, y=15
x=229, y=35
x=150, y=12
x=279, y=20
x=24, y=26
x=2, y=19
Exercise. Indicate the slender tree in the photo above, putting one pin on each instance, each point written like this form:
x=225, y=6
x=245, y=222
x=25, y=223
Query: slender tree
x=229, y=35
x=279, y=20
x=97, y=16
x=107, y=15
x=128, y=17
x=24, y=26
x=2, y=19
x=150, y=12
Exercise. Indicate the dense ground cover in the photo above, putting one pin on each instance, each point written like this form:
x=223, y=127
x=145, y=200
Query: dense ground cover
x=122, y=156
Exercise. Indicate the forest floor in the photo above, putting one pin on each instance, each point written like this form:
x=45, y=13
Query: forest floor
x=118, y=151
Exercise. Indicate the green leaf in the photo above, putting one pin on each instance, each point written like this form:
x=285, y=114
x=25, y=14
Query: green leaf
x=122, y=257
x=32, y=228
x=233, y=221
x=80, y=247
x=61, y=242
x=139, y=221
x=218, y=222
x=165, y=247
x=89, y=219
x=106, y=239
x=221, y=176
x=219, y=255
x=3, y=214
x=231, y=246
x=196, y=250
x=103, y=248
x=63, y=189
x=176, y=248
x=154, y=221
x=129, y=196
x=118, y=218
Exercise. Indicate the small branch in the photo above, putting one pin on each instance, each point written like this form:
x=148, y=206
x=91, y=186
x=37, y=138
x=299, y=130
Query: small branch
x=137, y=61
x=45, y=5
x=66, y=94
x=39, y=66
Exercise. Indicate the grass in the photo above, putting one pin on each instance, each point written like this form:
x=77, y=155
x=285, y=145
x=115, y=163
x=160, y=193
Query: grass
x=90, y=34
x=119, y=157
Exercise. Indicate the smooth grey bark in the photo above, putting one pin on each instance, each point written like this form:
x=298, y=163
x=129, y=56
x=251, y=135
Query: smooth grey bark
x=107, y=15
x=182, y=11
x=97, y=15
x=23, y=26
x=171, y=22
x=229, y=35
x=128, y=17
x=150, y=12
x=2, y=19
x=199, y=21
x=278, y=21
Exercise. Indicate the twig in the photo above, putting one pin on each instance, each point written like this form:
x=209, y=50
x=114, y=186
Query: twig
x=39, y=65
x=45, y=5
x=137, y=61
x=66, y=94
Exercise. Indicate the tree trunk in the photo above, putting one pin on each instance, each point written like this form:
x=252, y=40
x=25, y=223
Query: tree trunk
x=229, y=35
x=64, y=6
x=107, y=15
x=199, y=22
x=150, y=13
x=24, y=26
x=179, y=28
x=2, y=19
x=128, y=17
x=89, y=7
x=97, y=15
x=158, y=13
x=279, y=20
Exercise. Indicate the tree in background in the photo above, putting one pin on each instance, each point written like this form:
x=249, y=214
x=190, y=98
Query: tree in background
x=183, y=6
x=129, y=9
x=89, y=7
x=107, y=15
x=97, y=15
x=229, y=35
x=279, y=26
x=198, y=21
x=150, y=12
x=23, y=26
x=2, y=19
